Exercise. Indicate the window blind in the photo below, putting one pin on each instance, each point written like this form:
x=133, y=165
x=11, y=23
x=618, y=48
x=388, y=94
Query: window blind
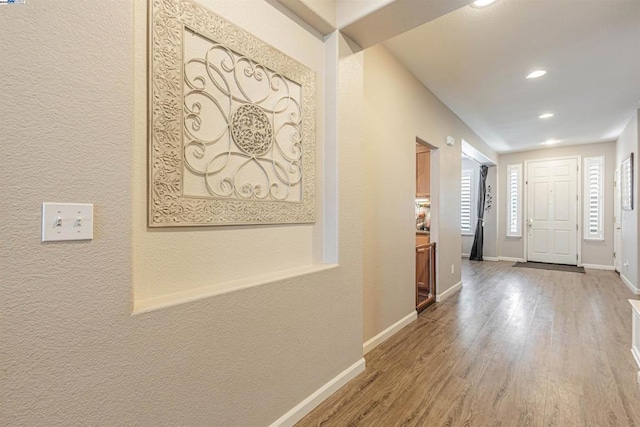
x=593, y=197
x=514, y=184
x=465, y=201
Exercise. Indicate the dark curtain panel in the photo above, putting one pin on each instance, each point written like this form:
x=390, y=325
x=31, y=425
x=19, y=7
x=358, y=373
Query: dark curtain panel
x=478, y=239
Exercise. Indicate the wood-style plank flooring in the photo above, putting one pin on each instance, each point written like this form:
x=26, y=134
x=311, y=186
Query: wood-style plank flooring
x=515, y=347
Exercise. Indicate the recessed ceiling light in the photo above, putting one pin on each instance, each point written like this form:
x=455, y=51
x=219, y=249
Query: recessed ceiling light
x=545, y=115
x=550, y=142
x=535, y=74
x=482, y=3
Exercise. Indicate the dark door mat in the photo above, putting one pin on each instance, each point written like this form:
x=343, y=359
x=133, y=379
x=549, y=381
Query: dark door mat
x=556, y=267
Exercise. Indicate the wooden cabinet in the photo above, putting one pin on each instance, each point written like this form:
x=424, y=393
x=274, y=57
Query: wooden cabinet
x=422, y=239
x=425, y=275
x=423, y=171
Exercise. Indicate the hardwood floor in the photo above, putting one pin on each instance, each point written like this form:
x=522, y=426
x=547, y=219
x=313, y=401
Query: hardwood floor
x=516, y=346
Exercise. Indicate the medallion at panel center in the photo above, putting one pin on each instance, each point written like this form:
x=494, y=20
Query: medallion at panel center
x=251, y=130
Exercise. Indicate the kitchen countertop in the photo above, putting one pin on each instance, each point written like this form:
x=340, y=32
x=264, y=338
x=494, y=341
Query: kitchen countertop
x=428, y=233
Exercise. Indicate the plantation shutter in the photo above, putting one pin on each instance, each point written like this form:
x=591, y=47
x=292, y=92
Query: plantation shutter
x=465, y=201
x=593, y=197
x=514, y=197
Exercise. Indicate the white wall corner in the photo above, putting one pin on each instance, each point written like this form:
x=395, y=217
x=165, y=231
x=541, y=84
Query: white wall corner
x=389, y=332
x=321, y=20
x=320, y=395
x=449, y=292
x=374, y=21
x=632, y=287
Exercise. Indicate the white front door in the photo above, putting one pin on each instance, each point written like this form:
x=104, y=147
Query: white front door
x=552, y=205
x=617, y=225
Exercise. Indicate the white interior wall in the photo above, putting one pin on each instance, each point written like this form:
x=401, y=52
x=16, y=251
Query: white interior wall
x=399, y=109
x=71, y=350
x=597, y=253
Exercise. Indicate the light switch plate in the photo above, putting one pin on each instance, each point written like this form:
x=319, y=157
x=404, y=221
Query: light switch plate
x=67, y=221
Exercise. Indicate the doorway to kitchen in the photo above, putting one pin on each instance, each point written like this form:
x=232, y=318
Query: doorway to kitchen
x=426, y=218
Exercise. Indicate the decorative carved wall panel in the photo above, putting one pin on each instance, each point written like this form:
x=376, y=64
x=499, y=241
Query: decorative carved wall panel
x=232, y=124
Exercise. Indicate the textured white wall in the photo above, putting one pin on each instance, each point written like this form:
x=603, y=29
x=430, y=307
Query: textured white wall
x=399, y=109
x=600, y=253
x=629, y=142
x=71, y=351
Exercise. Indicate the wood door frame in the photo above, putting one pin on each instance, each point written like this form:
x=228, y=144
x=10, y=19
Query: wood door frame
x=525, y=204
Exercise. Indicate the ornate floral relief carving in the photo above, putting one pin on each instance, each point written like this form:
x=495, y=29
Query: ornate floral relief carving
x=251, y=130
x=232, y=129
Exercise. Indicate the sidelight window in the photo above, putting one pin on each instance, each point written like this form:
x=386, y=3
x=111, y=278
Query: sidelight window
x=514, y=200
x=466, y=202
x=593, y=197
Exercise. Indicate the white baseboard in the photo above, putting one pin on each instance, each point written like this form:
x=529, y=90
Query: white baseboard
x=484, y=258
x=387, y=333
x=636, y=355
x=506, y=258
x=449, y=292
x=320, y=395
x=598, y=267
x=630, y=285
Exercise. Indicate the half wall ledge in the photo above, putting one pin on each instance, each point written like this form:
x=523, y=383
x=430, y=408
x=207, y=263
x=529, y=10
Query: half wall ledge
x=170, y=300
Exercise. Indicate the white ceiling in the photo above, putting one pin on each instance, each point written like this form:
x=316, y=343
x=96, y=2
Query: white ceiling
x=475, y=61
